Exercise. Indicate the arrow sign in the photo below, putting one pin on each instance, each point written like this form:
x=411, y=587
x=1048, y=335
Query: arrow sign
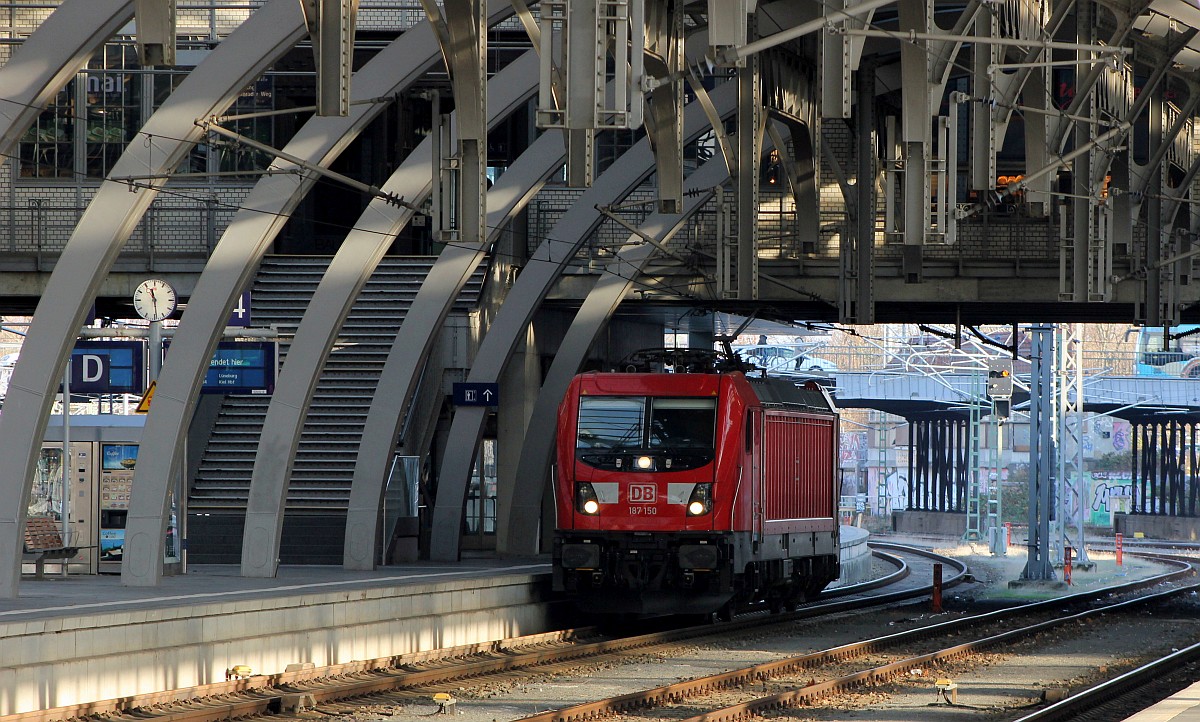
x=476, y=394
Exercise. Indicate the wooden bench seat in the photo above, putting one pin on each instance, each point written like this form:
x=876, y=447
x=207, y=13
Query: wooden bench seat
x=43, y=540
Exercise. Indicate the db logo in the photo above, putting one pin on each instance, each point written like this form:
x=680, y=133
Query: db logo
x=642, y=493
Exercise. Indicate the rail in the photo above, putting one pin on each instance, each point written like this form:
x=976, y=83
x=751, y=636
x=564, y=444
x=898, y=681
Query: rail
x=750, y=675
x=262, y=694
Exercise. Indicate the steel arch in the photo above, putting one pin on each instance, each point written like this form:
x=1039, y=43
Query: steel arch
x=520, y=506
x=542, y=270
x=102, y=231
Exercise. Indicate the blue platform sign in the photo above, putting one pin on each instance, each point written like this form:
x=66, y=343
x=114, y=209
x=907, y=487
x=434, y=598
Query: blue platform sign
x=476, y=394
x=241, y=367
x=108, y=367
x=240, y=315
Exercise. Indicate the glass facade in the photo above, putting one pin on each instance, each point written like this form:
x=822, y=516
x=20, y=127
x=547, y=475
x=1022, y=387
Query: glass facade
x=88, y=125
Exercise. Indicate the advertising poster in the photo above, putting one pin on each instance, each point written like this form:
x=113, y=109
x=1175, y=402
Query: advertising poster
x=117, y=463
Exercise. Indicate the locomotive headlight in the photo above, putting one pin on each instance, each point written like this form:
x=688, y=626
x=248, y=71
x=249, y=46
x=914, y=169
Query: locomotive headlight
x=700, y=502
x=645, y=462
x=585, y=498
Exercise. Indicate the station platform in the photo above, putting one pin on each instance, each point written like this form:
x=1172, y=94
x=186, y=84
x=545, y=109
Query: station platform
x=75, y=640
x=1183, y=706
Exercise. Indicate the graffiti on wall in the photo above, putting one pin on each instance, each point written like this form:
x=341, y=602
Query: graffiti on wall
x=894, y=493
x=1109, y=492
x=853, y=446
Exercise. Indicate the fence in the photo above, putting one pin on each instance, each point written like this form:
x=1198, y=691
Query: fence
x=42, y=226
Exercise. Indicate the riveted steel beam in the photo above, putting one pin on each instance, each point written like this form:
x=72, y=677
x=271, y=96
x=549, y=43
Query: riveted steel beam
x=331, y=25
x=155, y=31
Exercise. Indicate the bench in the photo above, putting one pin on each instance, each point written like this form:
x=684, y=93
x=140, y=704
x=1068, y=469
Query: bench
x=43, y=540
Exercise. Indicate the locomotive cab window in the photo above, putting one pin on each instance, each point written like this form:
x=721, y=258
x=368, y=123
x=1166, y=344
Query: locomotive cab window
x=677, y=433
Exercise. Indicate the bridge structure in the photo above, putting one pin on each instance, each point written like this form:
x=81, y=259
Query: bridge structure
x=611, y=165
x=1164, y=414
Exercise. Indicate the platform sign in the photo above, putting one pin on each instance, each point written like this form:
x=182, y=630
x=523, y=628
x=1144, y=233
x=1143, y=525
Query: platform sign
x=476, y=394
x=240, y=315
x=239, y=367
x=108, y=367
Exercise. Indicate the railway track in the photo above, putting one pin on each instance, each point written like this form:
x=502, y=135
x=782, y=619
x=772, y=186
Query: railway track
x=417, y=676
x=799, y=690
x=1126, y=693
x=273, y=694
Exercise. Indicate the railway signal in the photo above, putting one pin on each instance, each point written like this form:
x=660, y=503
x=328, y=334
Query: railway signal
x=1000, y=385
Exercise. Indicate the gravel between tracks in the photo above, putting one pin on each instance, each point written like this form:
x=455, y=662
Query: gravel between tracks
x=993, y=686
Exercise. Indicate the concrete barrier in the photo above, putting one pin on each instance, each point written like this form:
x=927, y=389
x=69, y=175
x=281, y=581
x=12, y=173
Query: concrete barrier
x=1175, y=528
x=856, y=556
x=943, y=523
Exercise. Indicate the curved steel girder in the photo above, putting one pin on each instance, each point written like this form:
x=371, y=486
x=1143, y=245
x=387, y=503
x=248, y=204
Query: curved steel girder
x=423, y=320
x=44, y=63
x=102, y=231
x=539, y=274
x=233, y=263
x=519, y=506
x=1143, y=174
x=51, y=57
x=350, y=269
x=1010, y=86
x=1172, y=206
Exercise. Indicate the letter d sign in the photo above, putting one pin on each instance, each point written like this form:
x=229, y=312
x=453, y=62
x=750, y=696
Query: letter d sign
x=90, y=372
x=91, y=368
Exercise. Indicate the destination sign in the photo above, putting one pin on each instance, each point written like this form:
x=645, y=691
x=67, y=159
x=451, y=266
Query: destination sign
x=239, y=367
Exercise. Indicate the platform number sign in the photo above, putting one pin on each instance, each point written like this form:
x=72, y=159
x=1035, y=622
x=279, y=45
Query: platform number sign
x=108, y=367
x=240, y=315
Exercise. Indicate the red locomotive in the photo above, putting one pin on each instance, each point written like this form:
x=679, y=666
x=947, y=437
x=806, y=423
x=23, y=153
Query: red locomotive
x=694, y=492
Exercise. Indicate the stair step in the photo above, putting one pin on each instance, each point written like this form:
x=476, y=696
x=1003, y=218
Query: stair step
x=325, y=459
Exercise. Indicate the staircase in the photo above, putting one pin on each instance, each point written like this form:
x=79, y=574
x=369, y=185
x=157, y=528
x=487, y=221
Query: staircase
x=321, y=474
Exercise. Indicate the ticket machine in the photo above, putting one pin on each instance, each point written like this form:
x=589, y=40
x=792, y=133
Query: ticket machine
x=104, y=451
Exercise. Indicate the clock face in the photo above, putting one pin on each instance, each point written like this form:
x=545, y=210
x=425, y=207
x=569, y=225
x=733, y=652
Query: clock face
x=154, y=300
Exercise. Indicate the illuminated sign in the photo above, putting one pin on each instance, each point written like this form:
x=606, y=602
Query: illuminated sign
x=476, y=394
x=108, y=367
x=241, y=367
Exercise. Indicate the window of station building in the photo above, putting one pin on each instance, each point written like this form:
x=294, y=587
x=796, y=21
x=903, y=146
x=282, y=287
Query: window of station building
x=87, y=125
x=218, y=154
x=48, y=148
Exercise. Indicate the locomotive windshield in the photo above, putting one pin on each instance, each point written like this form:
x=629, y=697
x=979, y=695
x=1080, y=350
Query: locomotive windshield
x=613, y=427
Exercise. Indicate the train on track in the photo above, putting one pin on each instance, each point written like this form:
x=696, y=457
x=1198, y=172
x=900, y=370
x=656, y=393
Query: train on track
x=699, y=491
